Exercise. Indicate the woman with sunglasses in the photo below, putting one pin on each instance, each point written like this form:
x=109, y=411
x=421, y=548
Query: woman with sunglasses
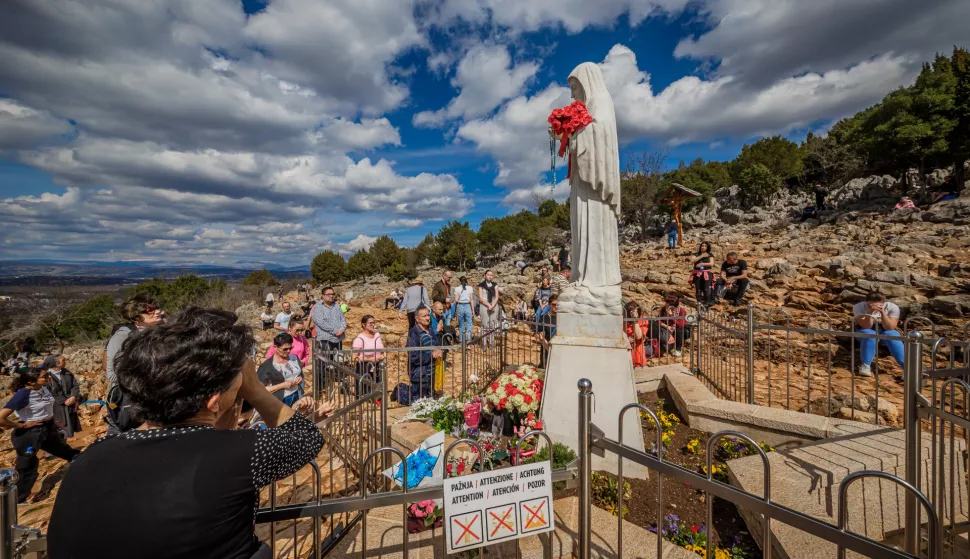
x=34, y=428
x=301, y=345
x=141, y=312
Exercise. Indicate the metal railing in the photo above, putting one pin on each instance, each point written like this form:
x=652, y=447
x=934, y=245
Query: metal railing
x=940, y=401
x=777, y=363
x=591, y=440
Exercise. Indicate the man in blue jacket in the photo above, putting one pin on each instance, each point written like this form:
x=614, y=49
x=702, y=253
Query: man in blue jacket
x=421, y=362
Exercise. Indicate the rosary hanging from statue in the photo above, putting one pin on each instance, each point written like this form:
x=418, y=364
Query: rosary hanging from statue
x=563, y=123
x=552, y=163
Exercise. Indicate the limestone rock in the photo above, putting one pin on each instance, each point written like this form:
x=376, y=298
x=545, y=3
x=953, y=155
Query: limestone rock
x=949, y=211
x=731, y=217
x=704, y=215
x=888, y=289
x=768, y=263
x=952, y=305
x=899, y=278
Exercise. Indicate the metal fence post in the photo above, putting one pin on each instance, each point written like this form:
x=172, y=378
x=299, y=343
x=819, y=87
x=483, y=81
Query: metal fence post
x=749, y=342
x=464, y=364
x=8, y=511
x=699, y=327
x=585, y=465
x=912, y=375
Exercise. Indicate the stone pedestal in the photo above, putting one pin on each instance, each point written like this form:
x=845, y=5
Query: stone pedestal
x=593, y=347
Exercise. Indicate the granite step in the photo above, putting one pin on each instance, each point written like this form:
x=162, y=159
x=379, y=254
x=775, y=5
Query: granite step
x=807, y=479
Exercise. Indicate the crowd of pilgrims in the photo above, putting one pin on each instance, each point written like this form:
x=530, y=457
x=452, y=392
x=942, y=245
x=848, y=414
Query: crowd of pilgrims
x=189, y=401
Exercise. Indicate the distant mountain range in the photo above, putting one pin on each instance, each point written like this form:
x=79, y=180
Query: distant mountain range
x=47, y=271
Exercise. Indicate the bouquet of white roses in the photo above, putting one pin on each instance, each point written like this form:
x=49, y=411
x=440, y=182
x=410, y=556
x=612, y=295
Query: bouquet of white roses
x=517, y=392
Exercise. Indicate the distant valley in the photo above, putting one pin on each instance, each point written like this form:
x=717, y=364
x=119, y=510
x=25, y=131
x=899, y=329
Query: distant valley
x=54, y=272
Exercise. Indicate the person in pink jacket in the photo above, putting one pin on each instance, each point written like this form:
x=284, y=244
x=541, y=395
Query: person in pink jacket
x=301, y=346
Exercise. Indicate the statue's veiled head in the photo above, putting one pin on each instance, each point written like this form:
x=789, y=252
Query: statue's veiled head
x=576, y=90
x=587, y=85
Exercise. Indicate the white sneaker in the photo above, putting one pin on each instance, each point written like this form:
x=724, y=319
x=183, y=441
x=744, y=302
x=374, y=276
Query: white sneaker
x=676, y=353
x=864, y=371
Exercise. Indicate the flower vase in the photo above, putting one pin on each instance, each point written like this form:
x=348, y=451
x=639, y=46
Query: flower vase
x=509, y=424
x=498, y=425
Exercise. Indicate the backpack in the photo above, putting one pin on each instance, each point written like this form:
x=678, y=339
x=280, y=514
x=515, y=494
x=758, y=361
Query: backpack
x=119, y=410
x=118, y=406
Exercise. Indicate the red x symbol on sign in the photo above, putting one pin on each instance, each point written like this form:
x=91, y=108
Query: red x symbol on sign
x=534, y=515
x=501, y=522
x=466, y=529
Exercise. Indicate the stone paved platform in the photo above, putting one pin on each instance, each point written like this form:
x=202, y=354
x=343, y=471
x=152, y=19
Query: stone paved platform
x=807, y=479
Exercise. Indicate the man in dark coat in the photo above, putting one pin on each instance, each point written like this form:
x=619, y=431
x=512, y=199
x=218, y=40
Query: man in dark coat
x=65, y=389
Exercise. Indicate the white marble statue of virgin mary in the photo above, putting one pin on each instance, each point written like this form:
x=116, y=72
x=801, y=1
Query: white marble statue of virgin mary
x=594, y=199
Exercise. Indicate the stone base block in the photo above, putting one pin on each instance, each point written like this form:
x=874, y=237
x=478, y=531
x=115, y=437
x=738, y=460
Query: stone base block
x=608, y=365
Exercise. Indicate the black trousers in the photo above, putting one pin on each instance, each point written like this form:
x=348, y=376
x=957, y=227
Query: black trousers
x=27, y=442
x=703, y=290
x=740, y=287
x=663, y=336
x=392, y=302
x=410, y=321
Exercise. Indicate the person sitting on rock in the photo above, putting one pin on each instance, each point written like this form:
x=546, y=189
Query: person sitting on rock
x=905, y=202
x=394, y=300
x=267, y=319
x=876, y=315
x=734, y=276
x=676, y=329
x=702, y=274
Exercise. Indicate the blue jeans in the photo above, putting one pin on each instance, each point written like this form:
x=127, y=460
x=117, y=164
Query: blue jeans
x=672, y=239
x=450, y=314
x=465, y=319
x=867, y=347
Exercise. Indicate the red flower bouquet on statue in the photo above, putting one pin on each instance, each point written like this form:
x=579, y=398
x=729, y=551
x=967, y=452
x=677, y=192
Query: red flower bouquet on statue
x=567, y=121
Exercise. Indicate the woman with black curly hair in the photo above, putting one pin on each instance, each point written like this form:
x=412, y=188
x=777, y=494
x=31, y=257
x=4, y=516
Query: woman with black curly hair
x=34, y=428
x=183, y=484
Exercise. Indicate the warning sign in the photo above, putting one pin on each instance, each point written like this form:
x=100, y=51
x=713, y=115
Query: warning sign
x=535, y=514
x=498, y=505
x=466, y=529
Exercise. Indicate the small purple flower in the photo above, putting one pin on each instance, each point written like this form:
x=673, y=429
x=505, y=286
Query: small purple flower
x=652, y=529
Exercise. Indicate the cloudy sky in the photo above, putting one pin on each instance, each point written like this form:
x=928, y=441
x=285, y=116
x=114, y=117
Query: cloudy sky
x=221, y=131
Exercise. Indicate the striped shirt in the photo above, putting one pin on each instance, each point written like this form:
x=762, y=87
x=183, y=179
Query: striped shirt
x=328, y=320
x=559, y=284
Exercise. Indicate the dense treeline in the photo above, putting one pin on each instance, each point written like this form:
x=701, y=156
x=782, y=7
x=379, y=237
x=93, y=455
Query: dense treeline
x=455, y=245
x=923, y=126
